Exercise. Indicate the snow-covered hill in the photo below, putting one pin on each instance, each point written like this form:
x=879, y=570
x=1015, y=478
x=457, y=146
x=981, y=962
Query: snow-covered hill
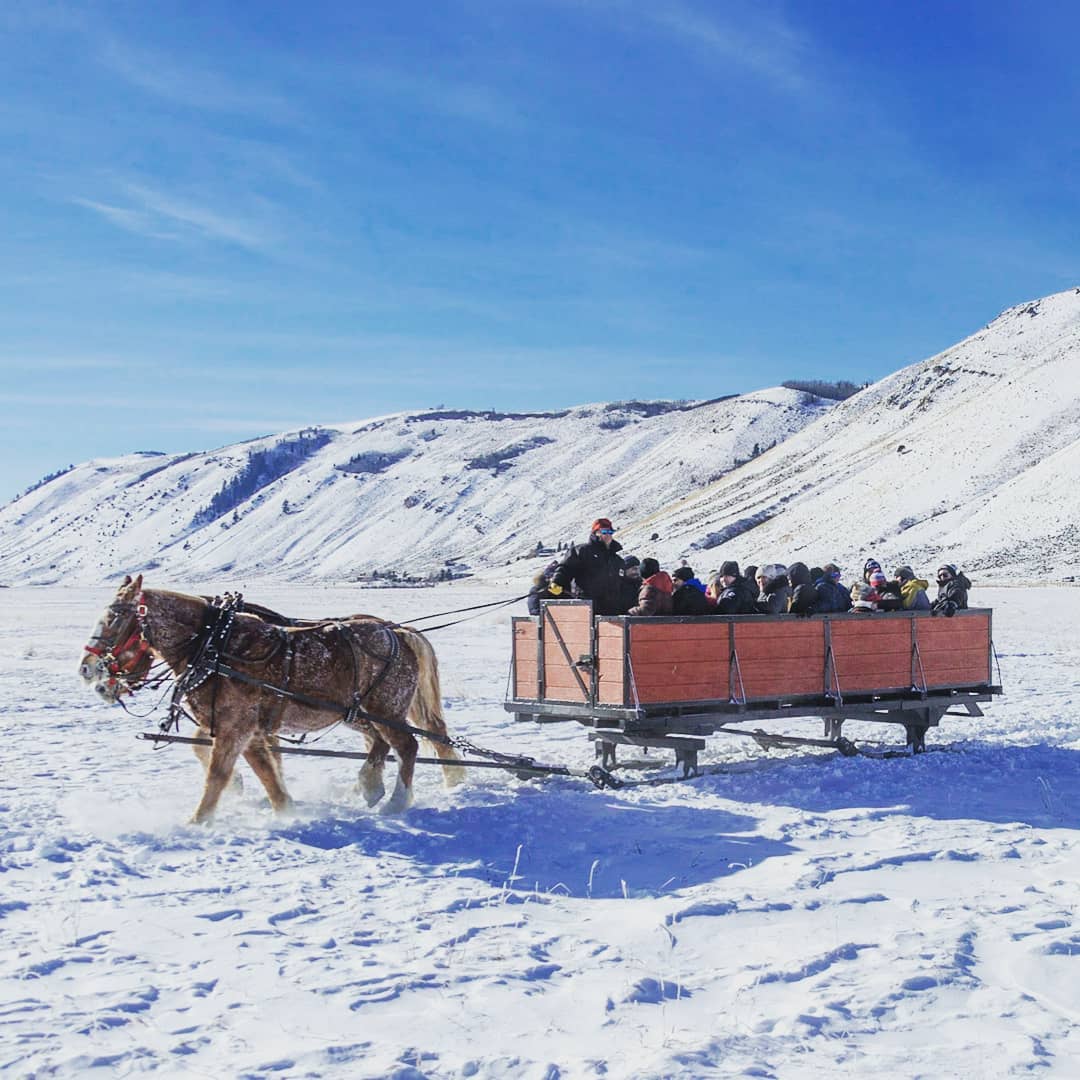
x=970, y=457
x=414, y=494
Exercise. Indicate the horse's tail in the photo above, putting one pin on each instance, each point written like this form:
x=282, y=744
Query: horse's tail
x=425, y=712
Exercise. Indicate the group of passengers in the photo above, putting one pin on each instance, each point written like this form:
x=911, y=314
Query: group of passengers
x=626, y=585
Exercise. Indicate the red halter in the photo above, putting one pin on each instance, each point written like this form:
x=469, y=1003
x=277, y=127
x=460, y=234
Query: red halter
x=122, y=660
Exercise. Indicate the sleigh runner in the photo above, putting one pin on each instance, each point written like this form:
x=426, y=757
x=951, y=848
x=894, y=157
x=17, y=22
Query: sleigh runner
x=667, y=681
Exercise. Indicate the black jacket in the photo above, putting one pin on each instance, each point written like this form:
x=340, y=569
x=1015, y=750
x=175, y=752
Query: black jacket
x=597, y=569
x=953, y=594
x=803, y=595
x=774, y=597
x=536, y=594
x=689, y=601
x=738, y=598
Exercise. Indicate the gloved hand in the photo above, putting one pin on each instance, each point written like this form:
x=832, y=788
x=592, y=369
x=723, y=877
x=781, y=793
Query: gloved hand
x=555, y=590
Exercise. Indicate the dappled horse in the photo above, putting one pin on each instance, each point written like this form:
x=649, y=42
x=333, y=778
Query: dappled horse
x=245, y=680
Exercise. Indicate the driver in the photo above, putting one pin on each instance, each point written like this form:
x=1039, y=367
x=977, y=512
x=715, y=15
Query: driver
x=596, y=568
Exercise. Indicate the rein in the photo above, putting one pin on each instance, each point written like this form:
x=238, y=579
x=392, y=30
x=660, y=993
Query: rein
x=457, y=611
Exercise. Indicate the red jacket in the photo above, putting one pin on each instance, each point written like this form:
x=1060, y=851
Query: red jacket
x=654, y=596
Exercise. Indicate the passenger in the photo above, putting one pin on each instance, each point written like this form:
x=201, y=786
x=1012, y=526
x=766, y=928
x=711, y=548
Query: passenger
x=831, y=595
x=870, y=566
x=803, y=595
x=539, y=590
x=912, y=589
x=734, y=593
x=631, y=581
x=595, y=568
x=750, y=573
x=952, y=593
x=689, y=595
x=890, y=598
x=816, y=572
x=775, y=593
x=865, y=604
x=686, y=573
x=761, y=579
x=876, y=582
x=656, y=589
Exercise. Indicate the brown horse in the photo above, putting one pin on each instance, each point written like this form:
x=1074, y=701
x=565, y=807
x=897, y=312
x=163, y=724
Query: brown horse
x=277, y=679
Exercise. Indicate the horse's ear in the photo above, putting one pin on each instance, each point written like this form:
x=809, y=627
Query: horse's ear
x=137, y=584
x=126, y=581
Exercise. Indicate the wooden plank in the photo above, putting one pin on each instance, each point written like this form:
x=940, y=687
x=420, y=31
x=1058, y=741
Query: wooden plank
x=690, y=651
x=798, y=630
x=653, y=695
x=859, y=635
x=948, y=633
x=771, y=687
x=673, y=633
x=960, y=674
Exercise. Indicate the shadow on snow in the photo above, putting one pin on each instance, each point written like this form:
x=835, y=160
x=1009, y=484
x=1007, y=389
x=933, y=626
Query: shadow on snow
x=570, y=842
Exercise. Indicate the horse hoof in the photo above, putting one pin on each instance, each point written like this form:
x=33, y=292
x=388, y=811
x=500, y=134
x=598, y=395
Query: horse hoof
x=452, y=776
x=371, y=794
x=399, y=802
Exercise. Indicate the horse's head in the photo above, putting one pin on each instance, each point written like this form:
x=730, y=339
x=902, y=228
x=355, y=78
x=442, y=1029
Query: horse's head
x=117, y=657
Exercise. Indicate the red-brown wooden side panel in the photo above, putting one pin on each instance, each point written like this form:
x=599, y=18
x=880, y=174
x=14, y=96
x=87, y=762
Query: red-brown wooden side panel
x=872, y=653
x=526, y=670
x=679, y=661
x=779, y=658
x=611, y=664
x=676, y=681
x=956, y=651
x=567, y=634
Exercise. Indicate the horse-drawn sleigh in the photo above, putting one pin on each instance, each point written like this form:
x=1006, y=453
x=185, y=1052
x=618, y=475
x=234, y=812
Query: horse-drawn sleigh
x=250, y=677
x=668, y=681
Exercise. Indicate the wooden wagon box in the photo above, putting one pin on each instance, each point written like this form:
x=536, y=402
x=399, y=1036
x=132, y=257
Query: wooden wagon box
x=690, y=675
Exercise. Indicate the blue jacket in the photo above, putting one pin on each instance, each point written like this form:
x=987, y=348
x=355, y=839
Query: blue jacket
x=831, y=596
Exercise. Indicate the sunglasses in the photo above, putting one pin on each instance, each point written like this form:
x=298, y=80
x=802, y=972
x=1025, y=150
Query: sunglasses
x=835, y=575
x=606, y=532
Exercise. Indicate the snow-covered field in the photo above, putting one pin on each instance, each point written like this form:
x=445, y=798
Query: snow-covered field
x=798, y=914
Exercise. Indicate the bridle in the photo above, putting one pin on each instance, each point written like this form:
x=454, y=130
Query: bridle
x=127, y=657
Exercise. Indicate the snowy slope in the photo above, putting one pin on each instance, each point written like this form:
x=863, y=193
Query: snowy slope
x=970, y=457
x=433, y=488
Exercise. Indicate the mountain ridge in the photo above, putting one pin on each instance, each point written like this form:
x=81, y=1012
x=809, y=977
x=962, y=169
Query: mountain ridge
x=969, y=456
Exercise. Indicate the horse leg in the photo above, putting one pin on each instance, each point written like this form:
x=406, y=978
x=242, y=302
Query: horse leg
x=266, y=765
x=369, y=780
x=223, y=755
x=401, y=798
x=453, y=774
x=236, y=784
x=426, y=708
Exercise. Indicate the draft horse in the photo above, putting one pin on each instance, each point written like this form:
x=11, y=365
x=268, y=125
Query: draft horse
x=247, y=680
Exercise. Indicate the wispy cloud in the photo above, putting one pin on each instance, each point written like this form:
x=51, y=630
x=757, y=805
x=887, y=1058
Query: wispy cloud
x=761, y=43
x=161, y=215
x=128, y=218
x=744, y=37
x=468, y=101
x=66, y=363
x=192, y=86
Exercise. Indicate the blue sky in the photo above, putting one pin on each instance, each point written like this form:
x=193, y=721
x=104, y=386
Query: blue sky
x=222, y=220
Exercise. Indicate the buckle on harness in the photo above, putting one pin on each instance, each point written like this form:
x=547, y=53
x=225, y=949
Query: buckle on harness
x=601, y=779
